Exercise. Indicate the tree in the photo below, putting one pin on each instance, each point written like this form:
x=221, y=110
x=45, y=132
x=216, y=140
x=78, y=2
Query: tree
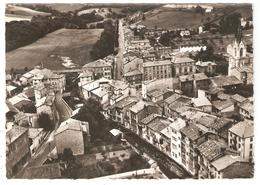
x=91, y=112
x=143, y=18
x=45, y=122
x=230, y=24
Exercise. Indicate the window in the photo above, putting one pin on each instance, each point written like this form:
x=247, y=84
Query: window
x=251, y=146
x=239, y=145
x=251, y=139
x=250, y=153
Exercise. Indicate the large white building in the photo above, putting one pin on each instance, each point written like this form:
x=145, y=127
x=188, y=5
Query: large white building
x=241, y=139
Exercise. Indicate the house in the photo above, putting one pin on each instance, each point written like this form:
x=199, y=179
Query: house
x=191, y=137
x=36, y=137
x=183, y=66
x=157, y=95
x=137, y=112
x=189, y=84
x=225, y=82
x=134, y=77
x=46, y=171
x=17, y=150
x=72, y=134
x=85, y=76
x=28, y=92
x=241, y=139
x=27, y=77
x=118, y=110
x=206, y=67
x=230, y=166
x=157, y=69
x=184, y=33
x=166, y=83
x=26, y=119
x=47, y=105
x=202, y=103
x=158, y=134
x=49, y=78
x=19, y=101
x=246, y=110
x=211, y=93
x=176, y=125
x=208, y=152
x=100, y=94
x=132, y=63
x=238, y=101
x=177, y=107
x=215, y=125
x=223, y=106
x=100, y=68
x=88, y=87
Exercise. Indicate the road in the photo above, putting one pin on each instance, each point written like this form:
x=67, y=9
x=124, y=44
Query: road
x=118, y=70
x=48, y=145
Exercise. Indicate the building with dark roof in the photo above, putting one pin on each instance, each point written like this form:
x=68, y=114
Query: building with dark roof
x=191, y=137
x=189, y=84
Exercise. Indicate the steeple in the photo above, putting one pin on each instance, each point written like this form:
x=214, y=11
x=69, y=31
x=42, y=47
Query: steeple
x=238, y=34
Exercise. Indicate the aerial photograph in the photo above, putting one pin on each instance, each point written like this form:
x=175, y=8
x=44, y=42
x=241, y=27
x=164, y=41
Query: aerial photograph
x=129, y=91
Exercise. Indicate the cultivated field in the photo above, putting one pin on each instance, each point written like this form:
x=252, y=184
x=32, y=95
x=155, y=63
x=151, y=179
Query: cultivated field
x=170, y=19
x=73, y=43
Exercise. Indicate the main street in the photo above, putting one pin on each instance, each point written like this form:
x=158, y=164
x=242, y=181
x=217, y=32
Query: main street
x=48, y=145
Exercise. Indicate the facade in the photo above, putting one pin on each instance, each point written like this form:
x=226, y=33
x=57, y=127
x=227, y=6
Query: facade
x=72, y=134
x=191, y=137
x=206, y=67
x=135, y=78
x=100, y=68
x=176, y=125
x=85, y=76
x=183, y=66
x=17, y=150
x=157, y=69
x=238, y=58
x=137, y=112
x=36, y=137
x=241, y=139
x=47, y=105
x=49, y=78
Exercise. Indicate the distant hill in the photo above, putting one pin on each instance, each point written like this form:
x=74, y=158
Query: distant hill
x=18, y=10
x=61, y=7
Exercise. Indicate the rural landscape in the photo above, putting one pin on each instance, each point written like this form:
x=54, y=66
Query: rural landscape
x=129, y=91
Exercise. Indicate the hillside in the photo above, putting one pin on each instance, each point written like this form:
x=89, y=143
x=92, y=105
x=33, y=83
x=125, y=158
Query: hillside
x=61, y=7
x=17, y=10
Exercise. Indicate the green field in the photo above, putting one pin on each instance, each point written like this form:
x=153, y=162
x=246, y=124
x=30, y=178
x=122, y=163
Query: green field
x=73, y=43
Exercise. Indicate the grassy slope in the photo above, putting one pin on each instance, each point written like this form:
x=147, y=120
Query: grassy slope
x=65, y=7
x=72, y=43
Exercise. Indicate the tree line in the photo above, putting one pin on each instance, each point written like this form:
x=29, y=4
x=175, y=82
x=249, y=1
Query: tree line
x=107, y=42
x=21, y=33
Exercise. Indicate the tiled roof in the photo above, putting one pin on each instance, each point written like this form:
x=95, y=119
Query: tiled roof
x=222, y=81
x=179, y=60
x=243, y=129
x=238, y=98
x=14, y=133
x=196, y=76
x=47, y=171
x=125, y=102
x=172, y=98
x=212, y=149
x=225, y=161
x=34, y=132
x=70, y=124
x=85, y=73
x=199, y=102
x=98, y=63
x=248, y=107
x=18, y=98
x=192, y=132
x=140, y=106
x=220, y=105
x=158, y=124
x=132, y=73
x=149, y=118
x=157, y=63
